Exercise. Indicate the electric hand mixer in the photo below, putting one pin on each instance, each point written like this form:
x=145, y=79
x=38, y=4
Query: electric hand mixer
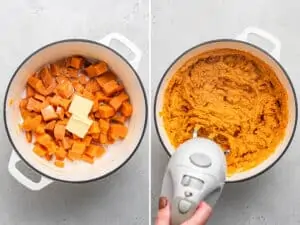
x=196, y=172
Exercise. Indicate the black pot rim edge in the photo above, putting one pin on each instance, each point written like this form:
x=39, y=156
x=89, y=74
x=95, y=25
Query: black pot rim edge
x=65, y=41
x=251, y=45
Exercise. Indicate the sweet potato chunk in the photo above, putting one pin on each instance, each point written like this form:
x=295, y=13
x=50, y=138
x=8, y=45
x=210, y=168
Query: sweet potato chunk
x=117, y=101
x=96, y=69
x=30, y=124
x=102, y=97
x=106, y=111
x=118, y=118
x=59, y=101
x=103, y=138
x=94, y=129
x=59, y=131
x=44, y=140
x=78, y=147
x=48, y=113
x=87, y=158
x=50, y=126
x=95, y=151
x=39, y=97
x=60, y=112
x=33, y=105
x=126, y=109
x=118, y=131
x=104, y=126
x=46, y=77
x=67, y=143
x=87, y=140
x=29, y=91
x=83, y=79
x=75, y=62
x=93, y=86
x=39, y=150
x=110, y=87
x=65, y=89
x=32, y=81
x=102, y=80
x=60, y=153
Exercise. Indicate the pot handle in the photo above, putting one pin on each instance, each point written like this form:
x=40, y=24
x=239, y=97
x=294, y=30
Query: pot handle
x=21, y=178
x=263, y=34
x=129, y=44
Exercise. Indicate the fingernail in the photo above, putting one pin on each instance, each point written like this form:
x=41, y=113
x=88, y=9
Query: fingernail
x=163, y=202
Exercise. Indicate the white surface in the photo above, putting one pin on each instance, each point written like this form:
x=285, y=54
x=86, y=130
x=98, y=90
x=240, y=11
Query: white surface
x=121, y=198
x=272, y=198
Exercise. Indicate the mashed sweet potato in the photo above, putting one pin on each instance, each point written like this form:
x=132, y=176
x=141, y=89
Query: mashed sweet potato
x=231, y=97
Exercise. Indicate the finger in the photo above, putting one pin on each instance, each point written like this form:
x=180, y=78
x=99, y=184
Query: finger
x=201, y=215
x=163, y=215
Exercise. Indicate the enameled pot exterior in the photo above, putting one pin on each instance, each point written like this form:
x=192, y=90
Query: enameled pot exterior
x=272, y=59
x=117, y=154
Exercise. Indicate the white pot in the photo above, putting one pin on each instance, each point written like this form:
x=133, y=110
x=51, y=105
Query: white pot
x=117, y=154
x=240, y=43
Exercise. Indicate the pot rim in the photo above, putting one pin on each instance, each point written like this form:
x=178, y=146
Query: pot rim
x=66, y=41
x=251, y=45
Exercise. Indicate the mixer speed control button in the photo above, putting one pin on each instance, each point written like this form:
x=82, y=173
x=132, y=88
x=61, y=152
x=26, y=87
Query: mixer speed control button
x=200, y=160
x=184, y=206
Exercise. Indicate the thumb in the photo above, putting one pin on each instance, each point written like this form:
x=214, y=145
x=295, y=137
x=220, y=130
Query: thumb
x=201, y=215
x=163, y=216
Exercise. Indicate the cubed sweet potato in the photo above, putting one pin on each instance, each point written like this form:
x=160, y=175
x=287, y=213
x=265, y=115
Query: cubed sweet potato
x=103, y=138
x=96, y=69
x=118, y=131
x=60, y=112
x=46, y=77
x=65, y=89
x=87, y=159
x=31, y=124
x=117, y=101
x=39, y=97
x=67, y=143
x=29, y=91
x=49, y=113
x=87, y=140
x=110, y=87
x=39, y=150
x=126, y=109
x=104, y=126
x=32, y=81
x=59, y=131
x=94, y=151
x=50, y=126
x=92, y=86
x=94, y=129
x=106, y=111
x=78, y=147
x=83, y=79
x=59, y=101
x=74, y=155
x=101, y=97
x=119, y=119
x=60, y=153
x=75, y=62
x=102, y=80
x=33, y=105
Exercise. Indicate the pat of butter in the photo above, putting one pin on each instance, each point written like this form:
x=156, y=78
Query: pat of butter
x=81, y=106
x=79, y=125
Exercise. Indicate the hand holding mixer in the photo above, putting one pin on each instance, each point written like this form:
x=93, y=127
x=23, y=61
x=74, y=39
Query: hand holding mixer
x=196, y=172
